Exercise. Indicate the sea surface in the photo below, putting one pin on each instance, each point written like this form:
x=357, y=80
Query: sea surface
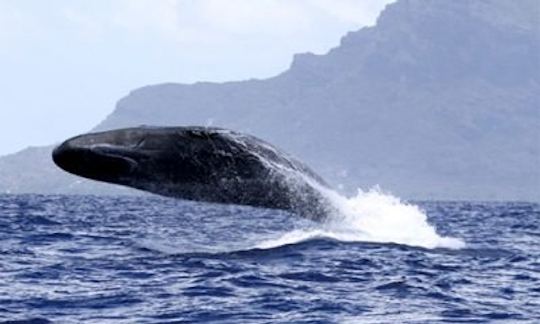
x=91, y=259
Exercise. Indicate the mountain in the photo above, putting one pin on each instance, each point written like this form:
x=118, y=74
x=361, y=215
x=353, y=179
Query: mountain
x=438, y=100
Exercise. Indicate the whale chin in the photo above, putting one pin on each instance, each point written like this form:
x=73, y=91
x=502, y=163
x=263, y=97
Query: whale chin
x=96, y=162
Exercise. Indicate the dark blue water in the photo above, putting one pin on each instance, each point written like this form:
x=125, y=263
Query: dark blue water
x=151, y=260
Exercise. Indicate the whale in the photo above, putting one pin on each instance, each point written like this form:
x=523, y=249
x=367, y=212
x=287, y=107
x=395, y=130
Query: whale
x=207, y=164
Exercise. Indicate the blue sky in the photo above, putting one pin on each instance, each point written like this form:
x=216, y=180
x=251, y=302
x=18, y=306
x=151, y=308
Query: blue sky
x=65, y=63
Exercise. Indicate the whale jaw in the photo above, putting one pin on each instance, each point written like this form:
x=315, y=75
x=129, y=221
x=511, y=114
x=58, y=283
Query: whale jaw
x=97, y=162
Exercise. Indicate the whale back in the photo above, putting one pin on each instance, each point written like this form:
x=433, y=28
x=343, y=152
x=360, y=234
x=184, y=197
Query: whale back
x=284, y=182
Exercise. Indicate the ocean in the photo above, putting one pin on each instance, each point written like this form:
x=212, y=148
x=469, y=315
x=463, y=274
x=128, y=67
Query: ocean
x=93, y=259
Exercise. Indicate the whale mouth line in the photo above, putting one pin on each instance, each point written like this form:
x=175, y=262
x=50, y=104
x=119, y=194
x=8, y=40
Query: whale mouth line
x=96, y=162
x=126, y=164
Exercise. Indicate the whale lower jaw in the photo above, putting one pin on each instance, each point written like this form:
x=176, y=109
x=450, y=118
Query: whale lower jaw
x=94, y=162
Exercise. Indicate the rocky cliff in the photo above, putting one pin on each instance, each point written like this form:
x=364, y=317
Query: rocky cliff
x=439, y=100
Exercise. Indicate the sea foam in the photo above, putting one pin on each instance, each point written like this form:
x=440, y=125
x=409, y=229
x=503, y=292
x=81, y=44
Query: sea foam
x=371, y=216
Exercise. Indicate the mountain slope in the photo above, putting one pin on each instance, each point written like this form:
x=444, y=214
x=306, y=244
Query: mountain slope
x=439, y=100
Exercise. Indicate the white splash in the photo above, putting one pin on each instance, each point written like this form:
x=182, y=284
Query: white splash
x=372, y=216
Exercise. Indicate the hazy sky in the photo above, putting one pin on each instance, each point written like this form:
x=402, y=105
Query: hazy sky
x=65, y=63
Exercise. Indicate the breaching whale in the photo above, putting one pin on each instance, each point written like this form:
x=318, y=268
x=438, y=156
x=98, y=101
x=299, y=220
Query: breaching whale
x=197, y=163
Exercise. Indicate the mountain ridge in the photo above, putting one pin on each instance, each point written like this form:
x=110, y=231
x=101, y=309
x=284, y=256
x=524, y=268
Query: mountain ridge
x=438, y=100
